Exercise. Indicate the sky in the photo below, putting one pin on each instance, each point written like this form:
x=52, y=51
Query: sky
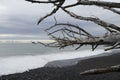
x=18, y=19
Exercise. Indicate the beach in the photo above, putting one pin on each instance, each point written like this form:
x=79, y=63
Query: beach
x=71, y=71
x=59, y=40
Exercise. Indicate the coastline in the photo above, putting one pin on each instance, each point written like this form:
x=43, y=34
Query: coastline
x=71, y=72
x=71, y=62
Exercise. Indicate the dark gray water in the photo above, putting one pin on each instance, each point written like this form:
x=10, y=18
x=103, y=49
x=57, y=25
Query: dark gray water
x=20, y=49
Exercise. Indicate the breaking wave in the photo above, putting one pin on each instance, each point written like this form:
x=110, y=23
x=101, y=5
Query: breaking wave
x=17, y=64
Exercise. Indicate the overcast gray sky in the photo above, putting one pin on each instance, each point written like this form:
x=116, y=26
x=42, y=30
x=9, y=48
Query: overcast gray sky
x=18, y=19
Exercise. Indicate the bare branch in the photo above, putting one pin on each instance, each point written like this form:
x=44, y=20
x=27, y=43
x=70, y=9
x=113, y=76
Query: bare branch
x=113, y=10
x=79, y=46
x=96, y=3
x=113, y=46
x=71, y=25
x=107, y=26
x=50, y=14
x=59, y=4
x=34, y=1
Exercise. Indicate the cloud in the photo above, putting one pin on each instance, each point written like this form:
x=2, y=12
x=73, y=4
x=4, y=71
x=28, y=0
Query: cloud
x=21, y=17
x=3, y=8
x=18, y=18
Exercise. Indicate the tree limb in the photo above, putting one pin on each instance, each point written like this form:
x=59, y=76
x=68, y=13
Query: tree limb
x=113, y=10
x=108, y=26
x=34, y=1
x=115, y=68
x=59, y=3
x=96, y=3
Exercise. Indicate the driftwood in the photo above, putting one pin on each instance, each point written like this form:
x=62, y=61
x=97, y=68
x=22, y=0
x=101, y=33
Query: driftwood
x=102, y=70
x=71, y=34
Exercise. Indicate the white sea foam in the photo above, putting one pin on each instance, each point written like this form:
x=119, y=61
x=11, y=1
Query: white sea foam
x=16, y=64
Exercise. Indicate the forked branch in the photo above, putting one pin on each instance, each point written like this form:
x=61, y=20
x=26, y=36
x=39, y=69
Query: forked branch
x=59, y=3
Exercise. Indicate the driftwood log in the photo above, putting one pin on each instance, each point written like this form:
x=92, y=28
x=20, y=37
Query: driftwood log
x=102, y=70
x=72, y=34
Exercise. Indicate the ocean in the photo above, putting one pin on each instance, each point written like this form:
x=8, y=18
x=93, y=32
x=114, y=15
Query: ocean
x=20, y=57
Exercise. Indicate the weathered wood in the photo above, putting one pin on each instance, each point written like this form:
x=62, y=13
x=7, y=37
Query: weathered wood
x=72, y=34
x=101, y=70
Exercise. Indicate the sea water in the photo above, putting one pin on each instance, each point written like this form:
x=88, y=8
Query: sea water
x=20, y=57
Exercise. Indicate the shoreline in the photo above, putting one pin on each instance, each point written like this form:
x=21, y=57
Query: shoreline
x=71, y=72
x=71, y=62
